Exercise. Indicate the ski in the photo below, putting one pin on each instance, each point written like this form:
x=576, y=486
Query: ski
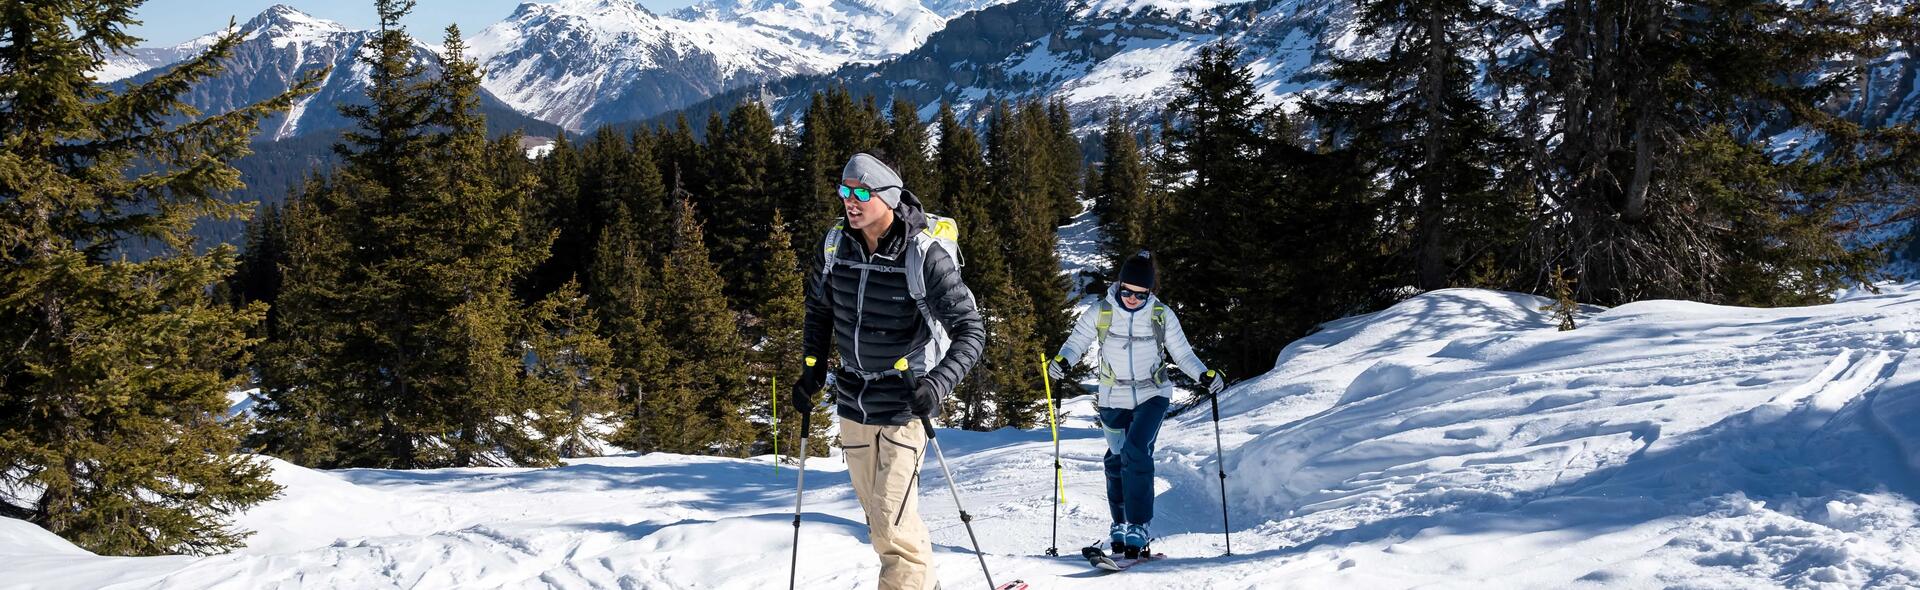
x=1014, y=585
x=1115, y=563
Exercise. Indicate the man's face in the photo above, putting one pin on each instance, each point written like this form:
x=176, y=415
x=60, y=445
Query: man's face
x=860, y=214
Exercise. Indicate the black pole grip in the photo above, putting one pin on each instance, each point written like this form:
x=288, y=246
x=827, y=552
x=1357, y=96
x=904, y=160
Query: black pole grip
x=928, y=423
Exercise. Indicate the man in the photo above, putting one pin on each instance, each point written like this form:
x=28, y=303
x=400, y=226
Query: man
x=859, y=297
x=1134, y=330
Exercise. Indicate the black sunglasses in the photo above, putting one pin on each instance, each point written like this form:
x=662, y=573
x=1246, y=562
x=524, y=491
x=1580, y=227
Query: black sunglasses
x=1125, y=292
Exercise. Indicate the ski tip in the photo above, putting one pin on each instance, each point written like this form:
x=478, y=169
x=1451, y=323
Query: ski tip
x=1014, y=585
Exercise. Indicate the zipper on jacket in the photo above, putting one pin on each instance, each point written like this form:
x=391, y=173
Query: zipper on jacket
x=859, y=317
x=1133, y=387
x=861, y=400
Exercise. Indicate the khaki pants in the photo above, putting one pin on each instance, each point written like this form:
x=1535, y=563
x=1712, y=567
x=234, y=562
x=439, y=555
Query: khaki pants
x=884, y=462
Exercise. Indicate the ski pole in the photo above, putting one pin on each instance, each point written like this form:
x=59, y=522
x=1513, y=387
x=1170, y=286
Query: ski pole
x=913, y=382
x=1059, y=479
x=775, y=386
x=1221, y=455
x=800, y=489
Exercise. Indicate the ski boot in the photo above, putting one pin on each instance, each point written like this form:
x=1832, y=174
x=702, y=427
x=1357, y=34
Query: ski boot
x=1137, y=542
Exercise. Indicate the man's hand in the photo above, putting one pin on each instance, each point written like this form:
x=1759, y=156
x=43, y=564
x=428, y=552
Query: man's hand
x=924, y=400
x=1056, y=368
x=811, y=380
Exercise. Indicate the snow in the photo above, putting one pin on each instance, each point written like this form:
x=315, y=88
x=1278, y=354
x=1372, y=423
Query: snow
x=1456, y=440
x=118, y=67
x=540, y=151
x=240, y=402
x=1143, y=71
x=558, y=60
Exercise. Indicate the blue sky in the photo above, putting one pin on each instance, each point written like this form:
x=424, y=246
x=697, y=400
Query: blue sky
x=167, y=22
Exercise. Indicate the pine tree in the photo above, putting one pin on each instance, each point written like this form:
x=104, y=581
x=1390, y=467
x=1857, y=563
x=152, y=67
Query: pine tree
x=618, y=177
x=1563, y=306
x=1652, y=179
x=571, y=372
x=745, y=163
x=1212, y=142
x=707, y=350
x=258, y=277
x=1063, y=157
x=299, y=421
x=348, y=371
x=623, y=294
x=476, y=264
x=557, y=212
x=906, y=150
x=1255, y=225
x=1018, y=164
x=852, y=126
x=680, y=159
x=1127, y=217
x=1010, y=369
x=963, y=184
x=113, y=394
x=811, y=176
x=779, y=308
x=1412, y=109
x=401, y=345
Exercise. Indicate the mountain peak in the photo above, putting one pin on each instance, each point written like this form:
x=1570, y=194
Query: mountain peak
x=287, y=19
x=597, y=7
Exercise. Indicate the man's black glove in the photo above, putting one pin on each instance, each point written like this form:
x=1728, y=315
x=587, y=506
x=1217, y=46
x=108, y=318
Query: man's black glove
x=812, y=379
x=924, y=400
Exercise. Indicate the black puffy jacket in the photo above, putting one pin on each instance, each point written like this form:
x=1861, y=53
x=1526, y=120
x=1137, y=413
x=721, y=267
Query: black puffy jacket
x=871, y=321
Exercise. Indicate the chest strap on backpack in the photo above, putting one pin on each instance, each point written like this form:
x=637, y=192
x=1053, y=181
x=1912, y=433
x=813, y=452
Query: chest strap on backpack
x=871, y=375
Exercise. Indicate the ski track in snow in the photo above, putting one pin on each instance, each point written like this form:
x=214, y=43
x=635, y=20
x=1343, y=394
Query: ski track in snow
x=1456, y=440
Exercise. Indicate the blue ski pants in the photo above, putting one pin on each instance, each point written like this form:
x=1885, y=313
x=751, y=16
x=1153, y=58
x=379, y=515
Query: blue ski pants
x=1129, y=458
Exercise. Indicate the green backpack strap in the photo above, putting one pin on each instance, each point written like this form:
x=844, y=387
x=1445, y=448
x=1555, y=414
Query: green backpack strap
x=1101, y=326
x=1160, y=326
x=1105, y=321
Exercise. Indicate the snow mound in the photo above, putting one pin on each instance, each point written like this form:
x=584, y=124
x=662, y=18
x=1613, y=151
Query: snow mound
x=19, y=538
x=318, y=509
x=1765, y=440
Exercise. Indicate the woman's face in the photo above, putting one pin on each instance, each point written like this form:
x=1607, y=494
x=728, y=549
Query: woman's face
x=1133, y=296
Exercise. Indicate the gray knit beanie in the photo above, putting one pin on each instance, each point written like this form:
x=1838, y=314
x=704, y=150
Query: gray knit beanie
x=876, y=175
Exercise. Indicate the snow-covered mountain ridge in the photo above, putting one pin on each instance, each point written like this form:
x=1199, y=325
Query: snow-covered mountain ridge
x=276, y=49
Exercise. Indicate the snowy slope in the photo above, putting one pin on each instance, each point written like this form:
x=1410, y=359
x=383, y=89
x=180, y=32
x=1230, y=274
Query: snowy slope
x=1456, y=440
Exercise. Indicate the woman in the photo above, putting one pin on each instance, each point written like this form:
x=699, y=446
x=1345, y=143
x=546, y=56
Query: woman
x=1135, y=331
